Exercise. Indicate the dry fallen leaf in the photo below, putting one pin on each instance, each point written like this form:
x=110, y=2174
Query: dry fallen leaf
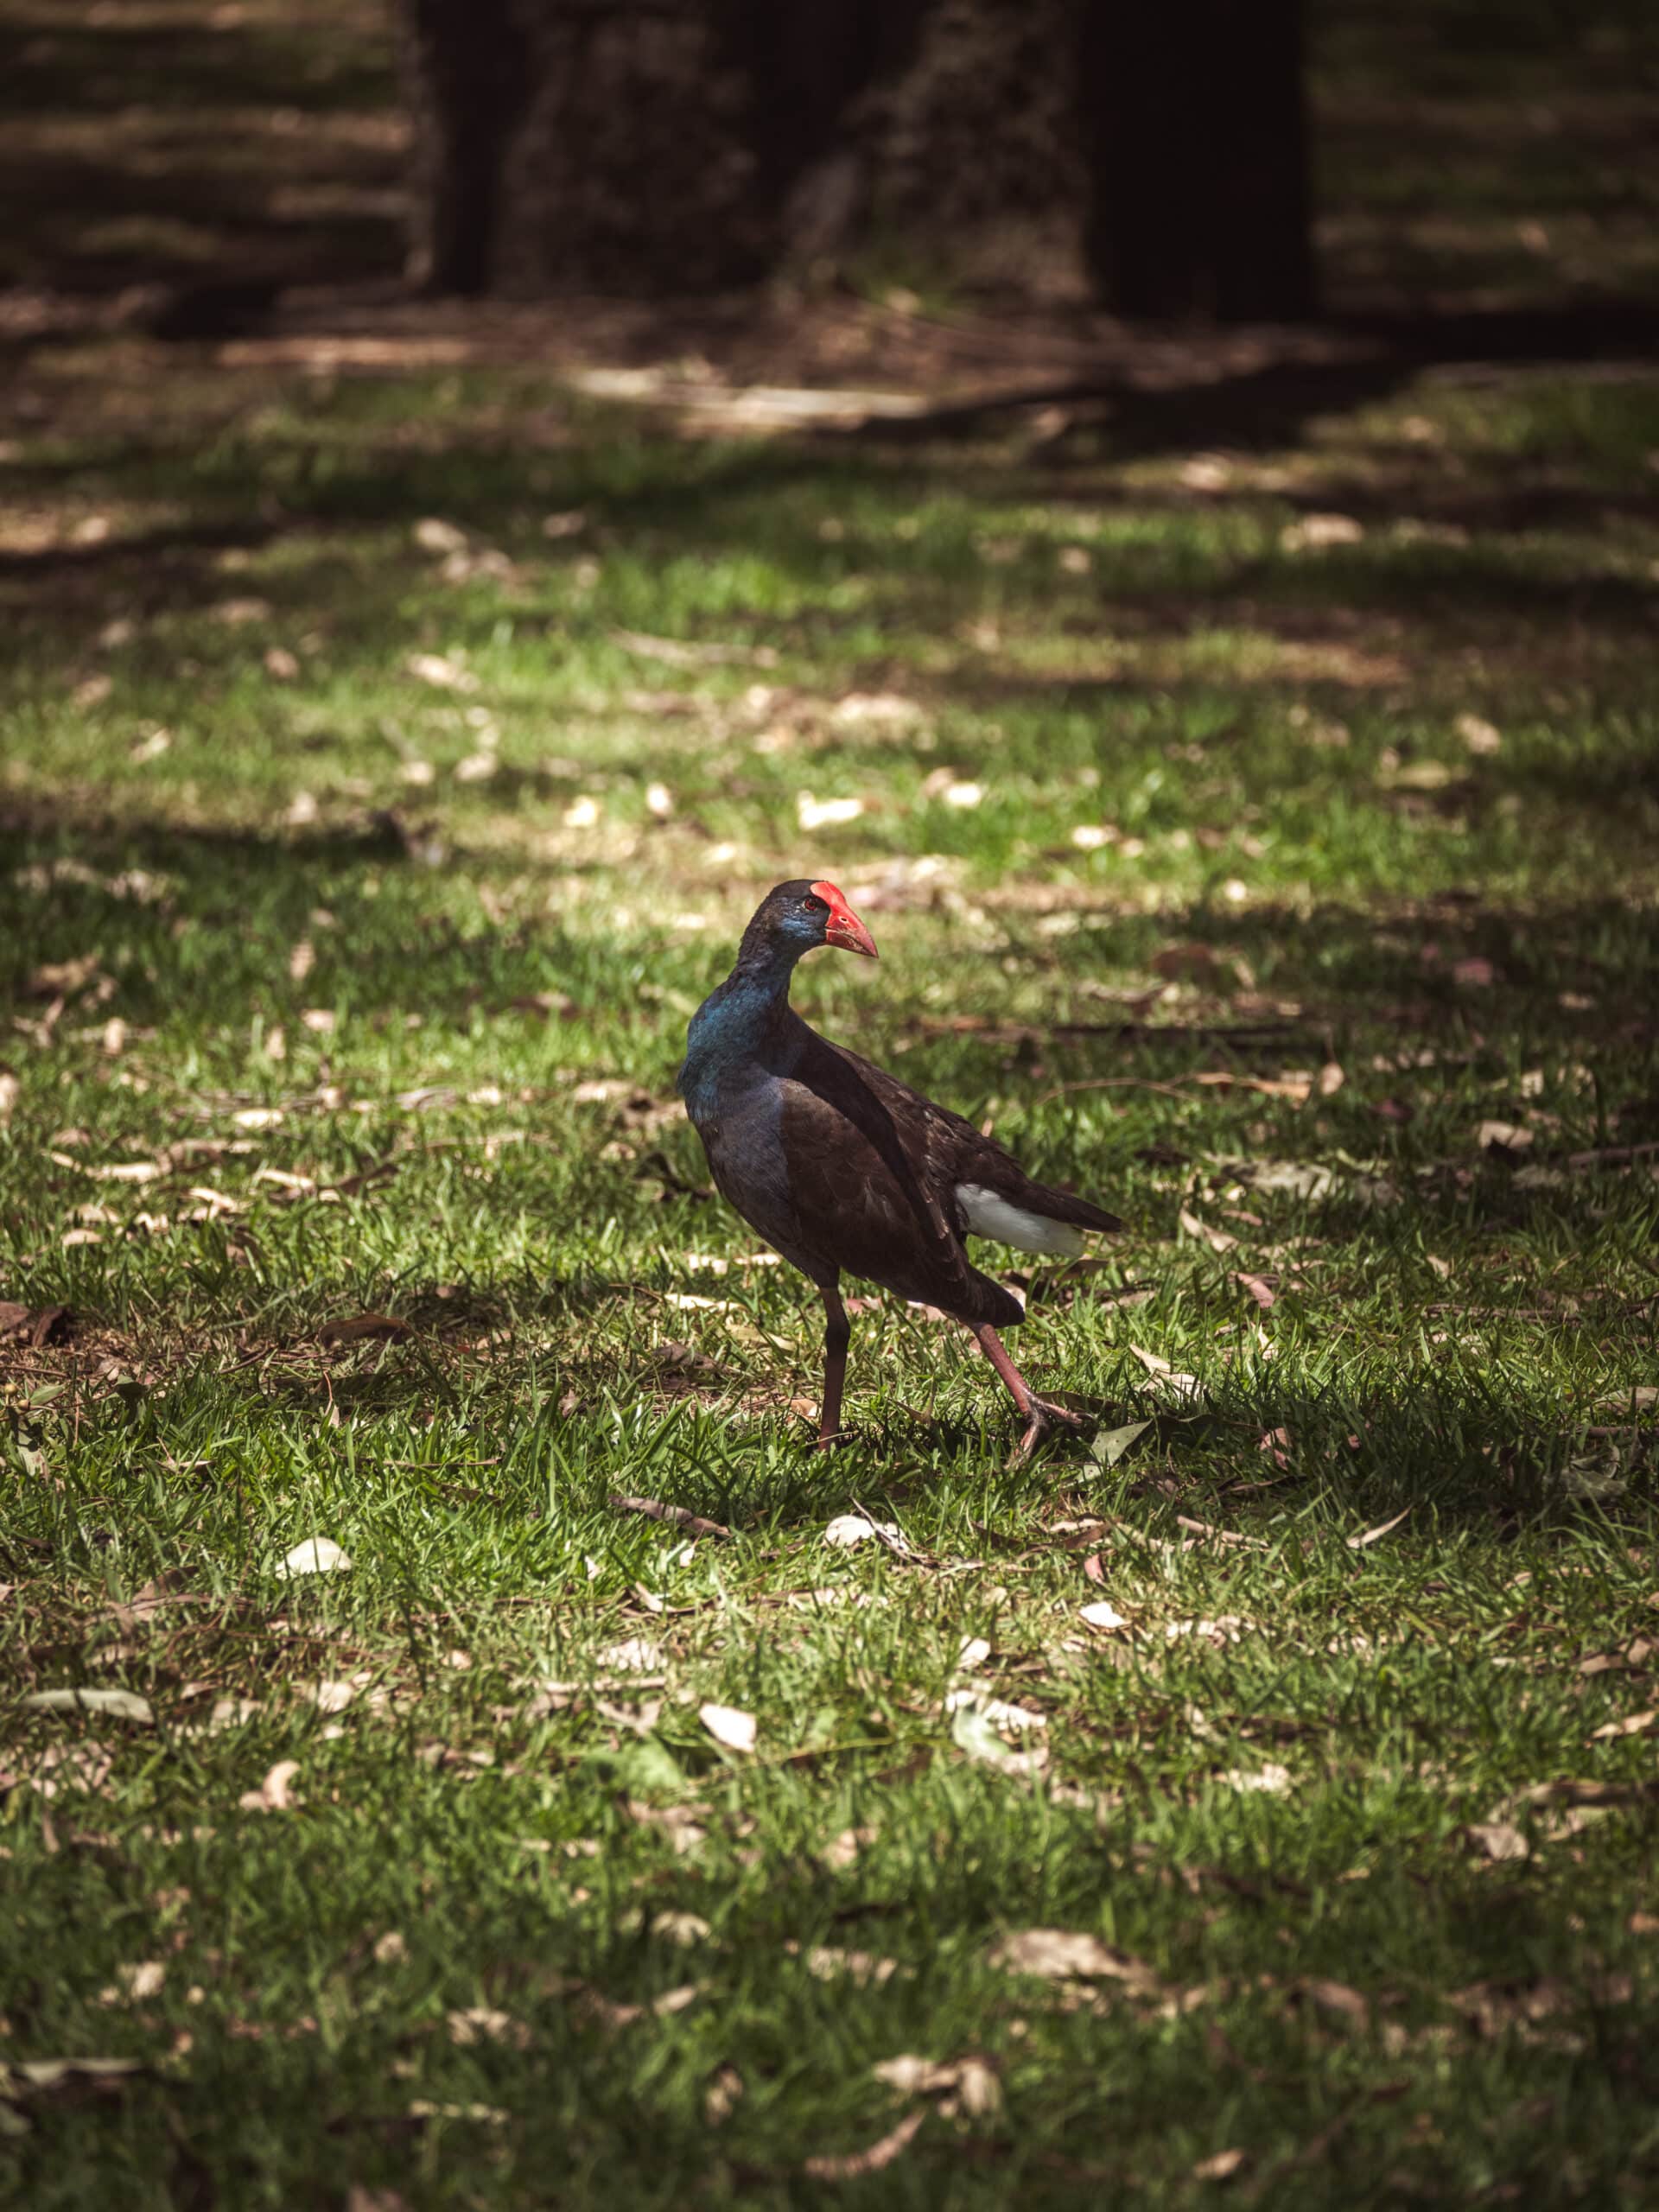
x=273, y=1794
x=1103, y=1614
x=719, y=2099
x=480, y=2023
x=316, y=1555
x=855, y=2164
x=1216, y=1239
x=849, y=1529
x=1359, y=1541
x=1166, y=1382
x=729, y=1725
x=1069, y=1954
x=1221, y=2165
x=1633, y=1724
x=1271, y=1778
x=1497, y=1840
x=1260, y=1291
x=825, y=813
x=444, y=674
x=966, y=2085
x=841, y=1851
x=115, y=1705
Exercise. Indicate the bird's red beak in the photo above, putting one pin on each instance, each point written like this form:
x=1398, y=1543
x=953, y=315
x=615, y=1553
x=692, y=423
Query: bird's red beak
x=844, y=927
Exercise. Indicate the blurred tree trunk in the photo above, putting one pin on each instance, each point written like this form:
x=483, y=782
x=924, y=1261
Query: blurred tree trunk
x=1194, y=126
x=1156, y=147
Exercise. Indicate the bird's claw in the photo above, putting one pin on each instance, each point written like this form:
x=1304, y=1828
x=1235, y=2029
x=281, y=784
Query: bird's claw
x=1045, y=1416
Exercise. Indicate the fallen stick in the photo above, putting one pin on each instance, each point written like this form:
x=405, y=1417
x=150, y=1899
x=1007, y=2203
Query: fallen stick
x=676, y=1515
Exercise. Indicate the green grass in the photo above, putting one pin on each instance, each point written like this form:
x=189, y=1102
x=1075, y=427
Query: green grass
x=410, y=1978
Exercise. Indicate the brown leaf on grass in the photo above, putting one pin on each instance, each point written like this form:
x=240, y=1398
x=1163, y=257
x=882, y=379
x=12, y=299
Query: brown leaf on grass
x=363, y=1328
x=35, y=1325
x=677, y=1517
x=854, y=2165
x=1359, y=1541
x=10, y=1092
x=722, y=2096
x=1221, y=2165
x=1633, y=1724
x=1330, y=1079
x=1258, y=1289
x=675, y=652
x=1069, y=1955
x=1337, y=1998
x=680, y=1824
x=1497, y=1840
x=964, y=2085
x=1218, y=1240
x=842, y=1851
x=1503, y=1136
x=1277, y=1441
x=824, y=1963
x=359, y=2199
x=479, y=2023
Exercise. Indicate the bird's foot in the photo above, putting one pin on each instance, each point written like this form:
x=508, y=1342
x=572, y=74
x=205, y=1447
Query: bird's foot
x=1045, y=1416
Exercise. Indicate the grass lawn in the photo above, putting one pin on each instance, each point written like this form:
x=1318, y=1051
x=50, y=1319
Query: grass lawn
x=1254, y=1802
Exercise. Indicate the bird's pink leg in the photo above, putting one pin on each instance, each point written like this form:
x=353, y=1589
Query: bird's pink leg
x=1036, y=1412
x=837, y=1332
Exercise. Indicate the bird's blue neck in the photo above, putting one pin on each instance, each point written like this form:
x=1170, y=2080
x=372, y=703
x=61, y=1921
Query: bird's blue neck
x=737, y=1023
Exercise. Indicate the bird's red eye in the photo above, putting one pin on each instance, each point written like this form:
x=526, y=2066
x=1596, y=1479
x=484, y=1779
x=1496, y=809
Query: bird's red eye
x=812, y=904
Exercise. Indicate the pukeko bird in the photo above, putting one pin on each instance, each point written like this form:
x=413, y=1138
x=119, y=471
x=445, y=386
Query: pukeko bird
x=844, y=1169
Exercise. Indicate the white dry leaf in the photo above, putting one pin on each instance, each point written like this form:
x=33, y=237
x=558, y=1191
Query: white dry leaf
x=1089, y=836
x=1272, y=1780
x=149, y=746
x=973, y=1732
x=1364, y=1536
x=476, y=2024
x=444, y=674
x=145, y=1978
x=281, y=665
x=1479, y=735
x=964, y=796
x=825, y=813
x=320, y=1021
x=849, y=1529
x=1314, y=533
x=389, y=1949
x=1221, y=2165
x=841, y=1851
x=302, y=810
x=417, y=773
x=682, y=1928
x=302, y=960
x=974, y=1651
x=865, y=710
x=1166, y=1382
x=433, y=535
x=1068, y=1954
x=274, y=1794
x=659, y=801
x=728, y=1725
x=1331, y=1076
x=719, y=2099
x=633, y=1656
x=258, y=1117
x=826, y=1963
x=1017, y=1718
x=1499, y=1841
x=333, y=1696
x=582, y=813
x=852, y=2166
x=486, y=2115
x=1226, y=1628
x=114, y=1705
x=1216, y=1239
x=1507, y=1136
x=11, y=1090
x=476, y=768
x=966, y=2085
x=1102, y=1614
x=316, y=1555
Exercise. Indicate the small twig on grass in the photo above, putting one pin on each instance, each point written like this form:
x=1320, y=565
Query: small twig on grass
x=678, y=1516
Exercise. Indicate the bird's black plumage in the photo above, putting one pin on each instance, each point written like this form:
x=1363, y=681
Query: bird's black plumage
x=839, y=1166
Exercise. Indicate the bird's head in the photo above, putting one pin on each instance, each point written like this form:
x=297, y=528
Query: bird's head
x=803, y=914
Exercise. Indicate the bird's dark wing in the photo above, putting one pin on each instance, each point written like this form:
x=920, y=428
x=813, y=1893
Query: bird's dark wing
x=944, y=1151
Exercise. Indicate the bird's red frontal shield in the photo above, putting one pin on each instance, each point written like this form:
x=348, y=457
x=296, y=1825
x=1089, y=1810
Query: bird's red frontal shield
x=844, y=927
